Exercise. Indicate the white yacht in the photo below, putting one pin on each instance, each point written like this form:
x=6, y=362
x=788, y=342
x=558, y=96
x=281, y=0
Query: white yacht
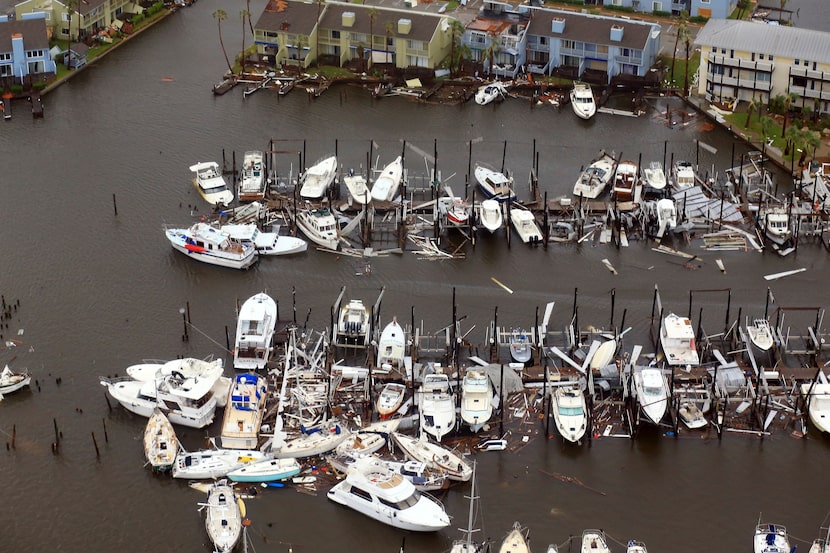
x=626, y=186
x=377, y=491
x=392, y=346
x=244, y=411
x=652, y=392
x=570, y=412
x=211, y=184
x=436, y=405
x=252, y=183
x=317, y=178
x=265, y=243
x=495, y=184
x=255, y=329
x=11, y=381
x=761, y=342
x=353, y=323
x=490, y=93
x=223, y=519
x=476, y=399
x=677, y=339
x=385, y=187
x=582, y=100
x=319, y=226
x=208, y=244
x=595, y=178
x=771, y=538
x=390, y=399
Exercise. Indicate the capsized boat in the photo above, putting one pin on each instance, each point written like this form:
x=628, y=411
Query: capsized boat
x=252, y=183
x=570, y=412
x=490, y=93
x=210, y=183
x=160, y=442
x=11, y=381
x=436, y=405
x=265, y=243
x=244, y=411
x=677, y=339
x=266, y=470
x=490, y=215
x=652, y=392
x=223, y=518
x=255, y=327
x=208, y=244
x=434, y=455
x=771, y=538
x=377, y=491
x=385, y=187
x=476, y=399
x=319, y=226
x=595, y=178
x=515, y=541
x=593, y=541
x=495, y=184
x=582, y=100
x=317, y=178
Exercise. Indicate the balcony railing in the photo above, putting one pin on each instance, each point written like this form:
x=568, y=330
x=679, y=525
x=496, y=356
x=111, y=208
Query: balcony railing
x=808, y=93
x=740, y=63
x=810, y=74
x=633, y=60
x=751, y=84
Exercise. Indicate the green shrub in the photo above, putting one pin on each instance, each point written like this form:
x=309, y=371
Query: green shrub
x=698, y=19
x=660, y=13
x=16, y=88
x=40, y=85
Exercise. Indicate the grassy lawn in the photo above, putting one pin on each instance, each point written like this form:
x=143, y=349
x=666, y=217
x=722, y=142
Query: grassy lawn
x=755, y=130
x=678, y=78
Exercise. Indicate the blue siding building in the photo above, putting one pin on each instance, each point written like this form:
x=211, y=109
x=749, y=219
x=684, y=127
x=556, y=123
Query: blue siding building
x=24, y=47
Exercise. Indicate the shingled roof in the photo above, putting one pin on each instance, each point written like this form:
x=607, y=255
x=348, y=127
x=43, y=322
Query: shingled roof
x=423, y=25
x=33, y=31
x=590, y=28
x=291, y=17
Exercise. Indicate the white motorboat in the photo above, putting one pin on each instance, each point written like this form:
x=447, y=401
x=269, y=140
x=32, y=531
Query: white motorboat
x=761, y=342
x=252, y=184
x=495, y=184
x=691, y=414
x=354, y=323
x=490, y=93
x=655, y=177
x=604, y=355
x=775, y=224
x=266, y=470
x=205, y=243
x=435, y=456
x=392, y=346
x=677, y=339
x=652, y=392
x=436, y=405
x=582, y=100
x=467, y=545
x=390, y=399
x=11, y=381
x=367, y=440
x=636, y=546
x=377, y=491
x=255, y=327
x=521, y=350
x=595, y=178
x=524, y=222
x=666, y=215
x=593, y=541
x=490, y=215
x=317, y=178
x=421, y=476
x=385, y=187
x=817, y=396
x=186, y=400
x=319, y=226
x=476, y=399
x=684, y=175
x=223, y=517
x=316, y=440
x=570, y=412
x=160, y=442
x=515, y=541
x=771, y=538
x=265, y=243
x=244, y=411
x=187, y=367
x=213, y=463
x=358, y=188
x=455, y=209
x=626, y=186
x=211, y=184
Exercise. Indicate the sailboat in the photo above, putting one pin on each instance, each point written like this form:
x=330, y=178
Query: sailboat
x=467, y=545
x=515, y=541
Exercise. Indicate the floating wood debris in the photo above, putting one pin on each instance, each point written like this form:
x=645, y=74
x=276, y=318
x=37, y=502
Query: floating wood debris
x=668, y=250
x=776, y=276
x=430, y=250
x=509, y=291
x=609, y=266
x=720, y=265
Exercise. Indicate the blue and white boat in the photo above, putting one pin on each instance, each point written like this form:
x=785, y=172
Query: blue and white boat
x=494, y=184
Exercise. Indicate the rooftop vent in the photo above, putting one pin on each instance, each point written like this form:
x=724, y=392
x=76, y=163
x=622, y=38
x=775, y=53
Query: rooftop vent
x=616, y=33
x=404, y=26
x=348, y=19
x=557, y=25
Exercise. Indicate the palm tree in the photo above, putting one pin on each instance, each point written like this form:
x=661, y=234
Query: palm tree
x=70, y=7
x=793, y=137
x=301, y=44
x=687, y=39
x=682, y=27
x=373, y=13
x=456, y=31
x=244, y=14
x=788, y=100
x=219, y=15
x=317, y=34
x=491, y=50
x=767, y=124
x=390, y=27
x=250, y=23
x=749, y=108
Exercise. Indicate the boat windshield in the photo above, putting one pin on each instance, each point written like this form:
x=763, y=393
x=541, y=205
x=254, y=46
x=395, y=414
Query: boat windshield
x=215, y=189
x=410, y=501
x=570, y=411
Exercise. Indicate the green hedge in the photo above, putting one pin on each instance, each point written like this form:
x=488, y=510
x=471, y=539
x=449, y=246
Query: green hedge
x=698, y=19
x=659, y=13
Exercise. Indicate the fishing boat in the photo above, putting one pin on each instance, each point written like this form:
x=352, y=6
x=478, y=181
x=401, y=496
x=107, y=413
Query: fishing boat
x=495, y=185
x=385, y=187
x=391, y=346
x=317, y=178
x=677, y=339
x=314, y=440
x=652, y=392
x=490, y=216
x=515, y=541
x=635, y=546
x=266, y=470
x=354, y=323
x=691, y=414
x=265, y=243
x=582, y=100
x=521, y=350
x=319, y=226
x=655, y=177
x=455, y=209
x=252, y=184
x=211, y=184
x=761, y=342
x=666, y=215
x=626, y=185
x=817, y=396
x=377, y=491
x=490, y=92
x=244, y=411
x=212, y=463
x=684, y=175
x=570, y=412
x=11, y=381
x=467, y=545
x=223, y=518
x=595, y=178
x=775, y=224
x=771, y=538
x=593, y=541
x=160, y=442
x=208, y=244
x=390, y=399
x=434, y=455
x=358, y=188
x=255, y=329
x=524, y=222
x=436, y=405
x=476, y=399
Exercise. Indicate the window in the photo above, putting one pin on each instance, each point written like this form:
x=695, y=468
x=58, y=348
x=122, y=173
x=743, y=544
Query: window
x=814, y=66
x=796, y=62
x=6, y=57
x=543, y=40
x=799, y=81
x=763, y=76
x=656, y=6
x=361, y=494
x=723, y=50
x=716, y=69
x=731, y=53
x=335, y=34
x=770, y=57
x=753, y=56
x=760, y=56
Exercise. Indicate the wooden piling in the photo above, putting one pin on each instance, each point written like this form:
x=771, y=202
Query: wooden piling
x=95, y=443
x=114, y=205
